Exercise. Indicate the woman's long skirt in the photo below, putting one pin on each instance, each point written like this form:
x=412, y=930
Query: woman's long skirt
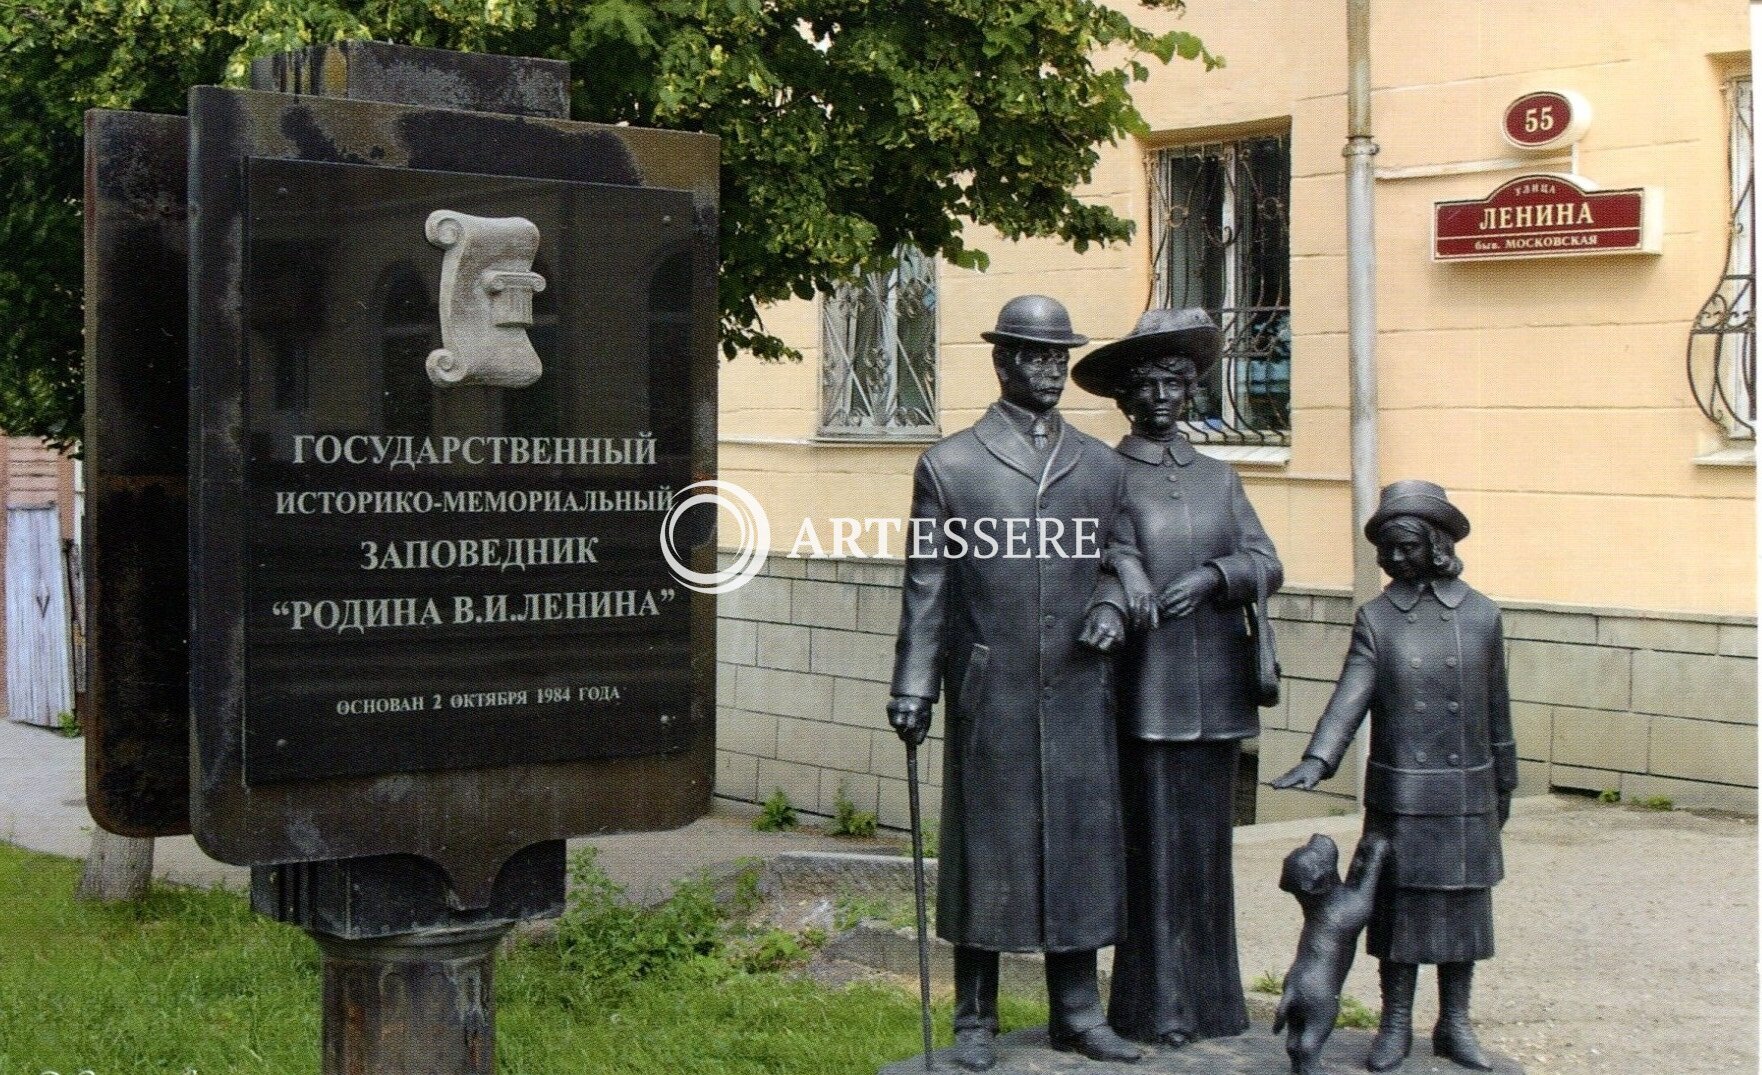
x=1176, y=969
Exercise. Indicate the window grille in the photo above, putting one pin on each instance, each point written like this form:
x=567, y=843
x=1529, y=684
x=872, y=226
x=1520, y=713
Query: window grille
x=1722, y=341
x=1220, y=239
x=878, y=352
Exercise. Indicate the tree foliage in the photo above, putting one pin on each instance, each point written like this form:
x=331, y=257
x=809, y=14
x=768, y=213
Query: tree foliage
x=847, y=126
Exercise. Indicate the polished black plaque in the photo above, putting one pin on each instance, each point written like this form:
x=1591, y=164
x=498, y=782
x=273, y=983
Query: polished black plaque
x=433, y=620
x=428, y=586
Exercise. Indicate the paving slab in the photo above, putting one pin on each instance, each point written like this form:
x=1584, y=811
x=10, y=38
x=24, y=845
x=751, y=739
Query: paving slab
x=43, y=808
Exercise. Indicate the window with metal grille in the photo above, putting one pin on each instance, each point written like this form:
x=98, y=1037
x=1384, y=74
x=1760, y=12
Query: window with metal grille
x=1220, y=237
x=878, y=352
x=1722, y=341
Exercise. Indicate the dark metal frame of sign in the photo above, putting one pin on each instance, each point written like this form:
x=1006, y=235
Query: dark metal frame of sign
x=135, y=712
x=568, y=683
x=1546, y=215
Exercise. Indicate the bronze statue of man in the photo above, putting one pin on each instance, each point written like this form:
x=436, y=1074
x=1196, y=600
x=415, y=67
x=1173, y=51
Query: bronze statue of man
x=1030, y=840
x=1427, y=663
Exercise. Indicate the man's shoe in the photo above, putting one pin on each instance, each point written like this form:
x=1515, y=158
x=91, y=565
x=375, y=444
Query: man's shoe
x=1175, y=1039
x=973, y=1049
x=1099, y=1043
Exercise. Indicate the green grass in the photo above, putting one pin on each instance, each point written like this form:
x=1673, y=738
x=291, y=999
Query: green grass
x=182, y=980
x=847, y=820
x=852, y=908
x=777, y=814
x=192, y=980
x=1356, y=1013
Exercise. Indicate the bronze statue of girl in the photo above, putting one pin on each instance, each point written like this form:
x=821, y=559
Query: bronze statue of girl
x=1427, y=664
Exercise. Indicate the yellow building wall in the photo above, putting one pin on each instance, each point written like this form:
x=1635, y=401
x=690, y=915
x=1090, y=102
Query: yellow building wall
x=1547, y=395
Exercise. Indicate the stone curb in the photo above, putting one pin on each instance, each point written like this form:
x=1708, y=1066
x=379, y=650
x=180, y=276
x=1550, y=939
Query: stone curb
x=886, y=948
x=822, y=872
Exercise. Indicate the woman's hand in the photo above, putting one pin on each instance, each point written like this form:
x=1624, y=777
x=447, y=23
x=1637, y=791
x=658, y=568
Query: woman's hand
x=1180, y=597
x=1141, y=599
x=1145, y=612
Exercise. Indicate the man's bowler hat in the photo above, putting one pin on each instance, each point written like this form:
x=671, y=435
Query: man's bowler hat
x=1034, y=319
x=1422, y=499
x=1189, y=333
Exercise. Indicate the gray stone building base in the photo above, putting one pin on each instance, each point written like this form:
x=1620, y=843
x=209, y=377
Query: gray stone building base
x=1648, y=705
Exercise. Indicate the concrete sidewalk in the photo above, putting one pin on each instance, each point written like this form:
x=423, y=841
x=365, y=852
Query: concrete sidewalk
x=1627, y=937
x=43, y=808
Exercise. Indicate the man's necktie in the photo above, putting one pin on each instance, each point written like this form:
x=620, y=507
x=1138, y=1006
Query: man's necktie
x=1038, y=432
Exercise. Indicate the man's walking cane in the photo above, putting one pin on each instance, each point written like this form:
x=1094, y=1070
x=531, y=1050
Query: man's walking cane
x=911, y=777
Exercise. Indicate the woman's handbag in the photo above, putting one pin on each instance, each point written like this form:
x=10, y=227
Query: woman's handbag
x=1260, y=633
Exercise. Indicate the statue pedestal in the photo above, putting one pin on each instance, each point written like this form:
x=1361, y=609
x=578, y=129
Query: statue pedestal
x=1258, y=1052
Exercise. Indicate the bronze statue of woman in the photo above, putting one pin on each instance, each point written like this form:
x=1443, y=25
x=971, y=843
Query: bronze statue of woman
x=1190, y=556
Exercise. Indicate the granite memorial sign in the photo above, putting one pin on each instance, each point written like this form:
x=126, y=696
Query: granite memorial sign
x=471, y=566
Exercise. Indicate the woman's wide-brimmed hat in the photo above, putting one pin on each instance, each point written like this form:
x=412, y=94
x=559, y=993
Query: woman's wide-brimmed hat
x=1423, y=499
x=1189, y=333
x=1034, y=319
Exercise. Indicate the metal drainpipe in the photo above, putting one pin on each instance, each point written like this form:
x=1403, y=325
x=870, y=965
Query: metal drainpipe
x=1361, y=308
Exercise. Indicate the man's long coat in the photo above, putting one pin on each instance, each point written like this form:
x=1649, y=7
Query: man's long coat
x=1031, y=853
x=1429, y=667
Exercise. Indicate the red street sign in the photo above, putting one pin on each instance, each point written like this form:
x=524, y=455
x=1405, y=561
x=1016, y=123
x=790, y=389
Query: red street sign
x=1541, y=216
x=1546, y=119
